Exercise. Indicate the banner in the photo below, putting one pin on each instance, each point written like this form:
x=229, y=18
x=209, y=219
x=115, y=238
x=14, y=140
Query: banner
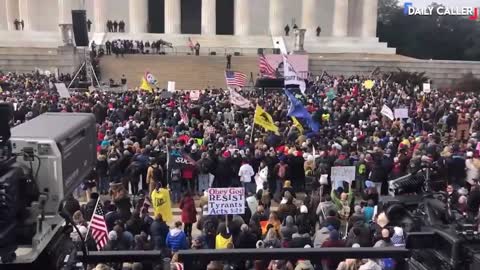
x=298, y=62
x=176, y=159
x=239, y=100
x=291, y=76
x=387, y=112
x=401, y=113
x=342, y=174
x=226, y=201
x=426, y=88
x=62, y=90
x=264, y=119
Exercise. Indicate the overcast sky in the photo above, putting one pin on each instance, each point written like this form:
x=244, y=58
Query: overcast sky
x=447, y=3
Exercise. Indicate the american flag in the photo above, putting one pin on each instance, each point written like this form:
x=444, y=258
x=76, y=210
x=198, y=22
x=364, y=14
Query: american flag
x=99, y=227
x=235, y=78
x=265, y=68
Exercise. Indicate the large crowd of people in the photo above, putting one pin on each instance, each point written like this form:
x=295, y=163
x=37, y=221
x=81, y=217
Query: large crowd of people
x=285, y=204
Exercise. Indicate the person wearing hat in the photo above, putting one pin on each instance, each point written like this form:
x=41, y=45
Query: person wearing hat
x=333, y=241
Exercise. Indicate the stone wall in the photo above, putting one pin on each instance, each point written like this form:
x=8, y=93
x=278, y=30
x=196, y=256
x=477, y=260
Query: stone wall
x=442, y=72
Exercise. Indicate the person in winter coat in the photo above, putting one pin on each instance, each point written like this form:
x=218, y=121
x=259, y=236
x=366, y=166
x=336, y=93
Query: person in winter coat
x=176, y=238
x=286, y=207
x=71, y=205
x=380, y=171
x=288, y=230
x=158, y=233
x=89, y=208
x=473, y=169
x=357, y=216
x=102, y=173
x=246, y=238
x=321, y=236
x=189, y=213
x=333, y=241
x=324, y=208
x=223, y=238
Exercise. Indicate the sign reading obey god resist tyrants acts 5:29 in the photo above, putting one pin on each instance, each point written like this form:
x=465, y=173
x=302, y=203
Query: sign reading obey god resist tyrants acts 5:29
x=226, y=201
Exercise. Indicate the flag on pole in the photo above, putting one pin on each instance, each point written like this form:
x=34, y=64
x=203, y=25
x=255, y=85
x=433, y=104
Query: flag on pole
x=298, y=110
x=239, y=100
x=387, y=112
x=297, y=124
x=291, y=76
x=148, y=82
x=98, y=227
x=183, y=116
x=264, y=119
x=265, y=68
x=235, y=78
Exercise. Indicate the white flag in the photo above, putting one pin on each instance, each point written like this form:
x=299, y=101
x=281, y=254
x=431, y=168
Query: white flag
x=237, y=99
x=291, y=77
x=387, y=112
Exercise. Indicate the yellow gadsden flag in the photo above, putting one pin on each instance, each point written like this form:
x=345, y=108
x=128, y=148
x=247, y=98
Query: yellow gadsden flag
x=148, y=82
x=161, y=204
x=263, y=119
x=297, y=124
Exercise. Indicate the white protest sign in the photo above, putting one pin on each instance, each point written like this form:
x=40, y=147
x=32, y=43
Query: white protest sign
x=342, y=174
x=426, y=88
x=401, y=113
x=195, y=95
x=171, y=86
x=62, y=90
x=226, y=201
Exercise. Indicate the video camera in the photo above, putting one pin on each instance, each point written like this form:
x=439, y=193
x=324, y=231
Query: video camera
x=41, y=162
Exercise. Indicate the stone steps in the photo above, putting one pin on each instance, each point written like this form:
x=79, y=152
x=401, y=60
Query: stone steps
x=189, y=72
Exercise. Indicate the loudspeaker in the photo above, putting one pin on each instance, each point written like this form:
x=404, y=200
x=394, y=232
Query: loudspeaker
x=80, y=32
x=260, y=51
x=276, y=51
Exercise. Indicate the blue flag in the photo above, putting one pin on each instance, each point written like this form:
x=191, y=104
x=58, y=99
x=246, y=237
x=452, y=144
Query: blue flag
x=298, y=110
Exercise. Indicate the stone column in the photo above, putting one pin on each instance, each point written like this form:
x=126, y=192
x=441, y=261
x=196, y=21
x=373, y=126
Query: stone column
x=100, y=15
x=209, y=17
x=138, y=12
x=3, y=15
x=172, y=17
x=309, y=16
x=65, y=8
x=369, y=18
x=29, y=14
x=242, y=17
x=277, y=17
x=11, y=6
x=340, y=18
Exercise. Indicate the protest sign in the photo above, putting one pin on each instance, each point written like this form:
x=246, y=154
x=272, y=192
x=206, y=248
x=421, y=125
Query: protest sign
x=171, y=86
x=62, y=90
x=195, y=95
x=426, y=88
x=342, y=174
x=401, y=113
x=226, y=201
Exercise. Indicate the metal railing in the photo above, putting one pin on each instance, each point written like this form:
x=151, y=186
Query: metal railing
x=315, y=255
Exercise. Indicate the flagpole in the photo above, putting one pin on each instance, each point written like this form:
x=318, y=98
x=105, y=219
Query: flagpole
x=88, y=229
x=253, y=128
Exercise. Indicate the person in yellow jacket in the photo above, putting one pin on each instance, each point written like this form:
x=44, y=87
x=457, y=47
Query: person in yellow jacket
x=223, y=239
x=161, y=202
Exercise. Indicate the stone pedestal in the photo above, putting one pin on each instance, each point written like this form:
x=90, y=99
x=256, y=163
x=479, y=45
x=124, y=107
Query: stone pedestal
x=299, y=41
x=66, y=30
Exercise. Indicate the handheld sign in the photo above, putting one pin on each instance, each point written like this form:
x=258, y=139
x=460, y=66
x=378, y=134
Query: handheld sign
x=401, y=113
x=342, y=174
x=226, y=201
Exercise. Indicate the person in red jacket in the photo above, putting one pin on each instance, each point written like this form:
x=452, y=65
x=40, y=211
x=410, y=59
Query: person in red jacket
x=189, y=213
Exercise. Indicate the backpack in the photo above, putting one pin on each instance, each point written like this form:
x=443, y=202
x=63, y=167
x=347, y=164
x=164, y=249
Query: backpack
x=176, y=175
x=157, y=174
